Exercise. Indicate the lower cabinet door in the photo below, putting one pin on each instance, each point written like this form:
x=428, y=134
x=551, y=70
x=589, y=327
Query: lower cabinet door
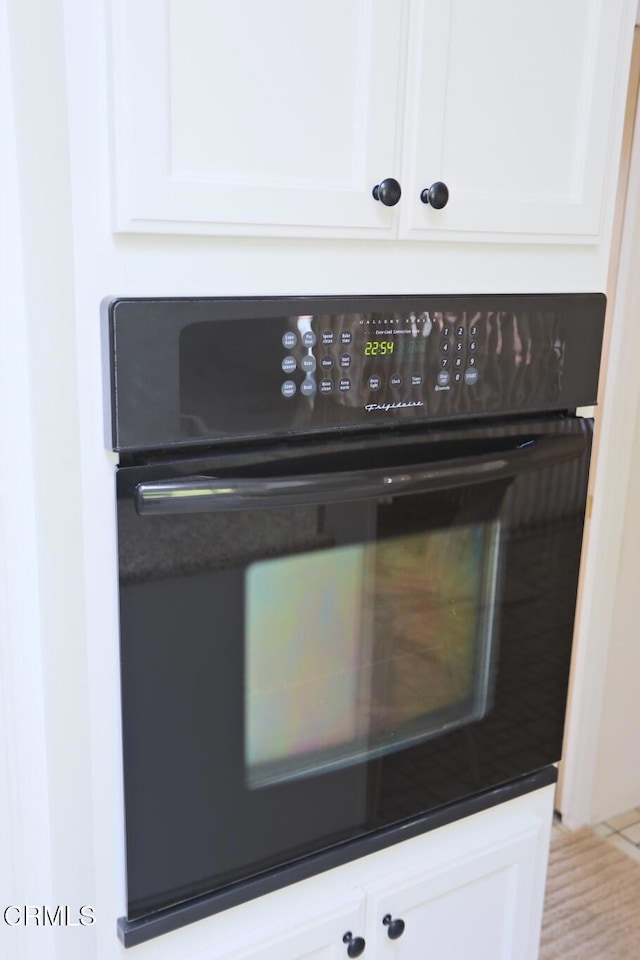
x=483, y=902
x=326, y=932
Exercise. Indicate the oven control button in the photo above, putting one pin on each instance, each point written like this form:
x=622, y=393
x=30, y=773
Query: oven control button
x=457, y=377
x=443, y=378
x=327, y=362
x=327, y=338
x=289, y=339
x=308, y=339
x=446, y=331
x=288, y=388
x=374, y=383
x=473, y=345
x=289, y=364
x=444, y=362
x=308, y=387
x=416, y=379
x=345, y=384
x=395, y=381
x=471, y=376
x=326, y=386
x=472, y=361
x=473, y=331
x=445, y=346
x=308, y=363
x=458, y=362
x=346, y=337
x=459, y=331
x=345, y=360
x=459, y=346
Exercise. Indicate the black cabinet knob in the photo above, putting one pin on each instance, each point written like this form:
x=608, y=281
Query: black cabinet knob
x=395, y=928
x=437, y=195
x=388, y=192
x=356, y=944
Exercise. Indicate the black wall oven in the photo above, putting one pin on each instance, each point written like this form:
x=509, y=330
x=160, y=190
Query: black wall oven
x=349, y=542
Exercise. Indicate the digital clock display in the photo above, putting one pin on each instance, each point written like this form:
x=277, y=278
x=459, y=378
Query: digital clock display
x=378, y=348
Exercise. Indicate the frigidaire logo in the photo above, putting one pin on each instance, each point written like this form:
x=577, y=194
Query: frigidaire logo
x=41, y=916
x=393, y=406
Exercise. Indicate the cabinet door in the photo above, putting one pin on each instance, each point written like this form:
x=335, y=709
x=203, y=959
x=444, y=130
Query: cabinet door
x=298, y=935
x=510, y=104
x=256, y=118
x=480, y=900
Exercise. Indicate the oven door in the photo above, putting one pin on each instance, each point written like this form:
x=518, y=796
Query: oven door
x=323, y=640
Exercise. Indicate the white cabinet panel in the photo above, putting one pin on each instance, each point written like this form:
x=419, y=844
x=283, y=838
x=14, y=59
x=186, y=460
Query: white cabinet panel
x=510, y=105
x=483, y=900
x=314, y=935
x=255, y=117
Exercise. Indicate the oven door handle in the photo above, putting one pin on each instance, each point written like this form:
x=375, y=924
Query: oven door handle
x=214, y=494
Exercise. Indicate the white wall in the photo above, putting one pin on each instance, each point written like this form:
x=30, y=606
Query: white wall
x=25, y=854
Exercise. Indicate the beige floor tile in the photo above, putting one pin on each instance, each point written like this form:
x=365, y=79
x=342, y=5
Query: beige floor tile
x=620, y=843
x=632, y=833
x=624, y=820
x=603, y=830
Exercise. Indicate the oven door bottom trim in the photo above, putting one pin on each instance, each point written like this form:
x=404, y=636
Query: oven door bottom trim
x=134, y=932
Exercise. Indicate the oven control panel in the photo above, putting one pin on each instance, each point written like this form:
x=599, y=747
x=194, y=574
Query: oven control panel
x=194, y=371
x=382, y=358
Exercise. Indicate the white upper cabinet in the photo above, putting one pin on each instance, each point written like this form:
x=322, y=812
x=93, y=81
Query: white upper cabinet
x=279, y=118
x=255, y=118
x=510, y=104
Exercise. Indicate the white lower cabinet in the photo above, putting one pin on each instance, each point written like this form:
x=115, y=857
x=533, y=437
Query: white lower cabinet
x=471, y=889
x=480, y=903
x=313, y=935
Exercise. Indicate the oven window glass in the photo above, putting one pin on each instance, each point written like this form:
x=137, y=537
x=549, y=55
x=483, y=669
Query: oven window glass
x=359, y=650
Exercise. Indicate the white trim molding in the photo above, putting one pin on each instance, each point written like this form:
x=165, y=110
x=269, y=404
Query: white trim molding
x=604, y=533
x=25, y=864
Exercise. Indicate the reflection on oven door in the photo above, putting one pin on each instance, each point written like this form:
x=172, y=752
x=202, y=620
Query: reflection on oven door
x=357, y=651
